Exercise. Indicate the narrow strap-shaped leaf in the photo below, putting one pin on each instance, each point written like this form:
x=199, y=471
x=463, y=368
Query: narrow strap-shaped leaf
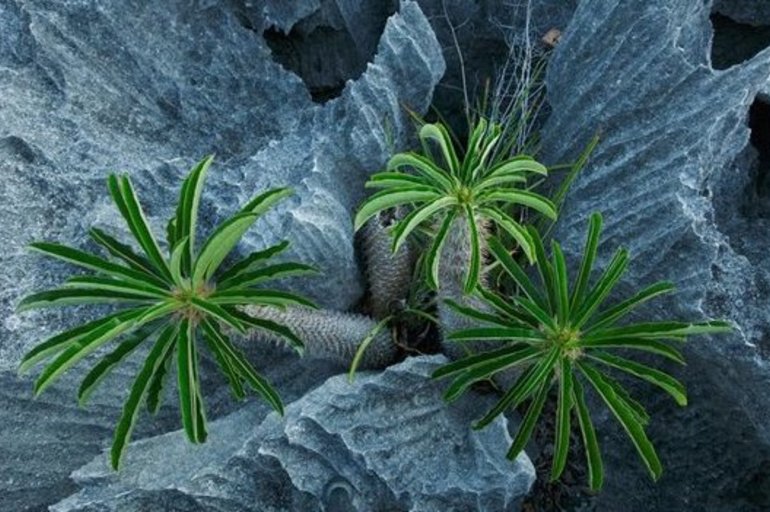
x=640, y=413
x=252, y=260
x=438, y=133
x=187, y=211
x=515, y=271
x=259, y=297
x=124, y=252
x=544, y=269
x=89, y=261
x=530, y=419
x=663, y=330
x=257, y=382
x=363, y=346
x=270, y=326
x=647, y=345
x=486, y=370
x=500, y=180
x=201, y=430
x=225, y=364
x=110, y=361
x=617, y=312
x=84, y=345
x=664, y=381
x=537, y=312
x=267, y=273
x=468, y=362
x=507, y=309
x=474, y=265
x=266, y=200
x=519, y=165
x=158, y=382
x=62, y=340
x=560, y=283
x=416, y=217
x=188, y=402
x=125, y=197
x=118, y=285
x=176, y=264
x=218, y=312
x=394, y=179
x=477, y=315
x=519, y=334
x=590, y=442
x=626, y=418
x=433, y=258
x=522, y=197
x=163, y=346
x=563, y=414
x=602, y=288
x=523, y=388
x=587, y=263
x=513, y=228
x=224, y=238
x=75, y=296
x=425, y=167
x=389, y=198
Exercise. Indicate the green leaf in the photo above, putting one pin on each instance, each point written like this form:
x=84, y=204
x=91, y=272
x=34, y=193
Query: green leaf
x=75, y=296
x=513, y=228
x=438, y=133
x=560, y=283
x=563, y=427
x=602, y=289
x=590, y=443
x=225, y=364
x=587, y=264
x=187, y=211
x=530, y=419
x=106, y=365
x=84, y=345
x=500, y=180
x=475, y=360
x=260, y=298
x=361, y=350
x=520, y=334
x=523, y=388
x=664, y=381
x=163, y=346
x=64, y=339
x=124, y=252
x=266, y=273
x=405, y=227
x=268, y=325
x=178, y=256
x=522, y=197
x=224, y=238
x=513, y=269
x=434, y=253
x=521, y=165
x=640, y=413
x=475, y=314
x=394, y=180
x=266, y=200
x=544, y=269
x=251, y=261
x=257, y=382
x=424, y=166
x=617, y=312
x=474, y=266
x=187, y=379
x=218, y=312
x=486, y=370
x=665, y=330
x=390, y=198
x=125, y=198
x=89, y=261
x=157, y=383
x=118, y=285
x=646, y=345
x=626, y=418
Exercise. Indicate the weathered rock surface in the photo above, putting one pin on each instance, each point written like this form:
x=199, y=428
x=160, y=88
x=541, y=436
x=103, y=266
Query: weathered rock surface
x=681, y=186
x=88, y=88
x=386, y=442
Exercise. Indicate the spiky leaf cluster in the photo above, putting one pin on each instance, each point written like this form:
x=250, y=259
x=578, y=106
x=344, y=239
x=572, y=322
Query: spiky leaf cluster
x=443, y=187
x=172, y=302
x=561, y=334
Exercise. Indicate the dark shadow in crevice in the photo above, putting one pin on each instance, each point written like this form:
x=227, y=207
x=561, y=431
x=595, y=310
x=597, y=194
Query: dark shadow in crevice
x=756, y=202
x=735, y=42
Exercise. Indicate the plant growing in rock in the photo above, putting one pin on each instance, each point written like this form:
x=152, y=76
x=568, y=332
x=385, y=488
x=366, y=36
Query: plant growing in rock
x=444, y=189
x=172, y=301
x=561, y=335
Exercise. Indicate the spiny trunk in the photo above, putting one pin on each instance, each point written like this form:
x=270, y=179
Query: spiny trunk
x=389, y=275
x=329, y=334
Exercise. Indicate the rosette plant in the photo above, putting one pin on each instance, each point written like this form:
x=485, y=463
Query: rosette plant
x=563, y=336
x=172, y=302
x=443, y=188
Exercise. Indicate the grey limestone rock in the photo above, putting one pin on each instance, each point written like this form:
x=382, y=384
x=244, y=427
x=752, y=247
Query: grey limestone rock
x=386, y=442
x=673, y=177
